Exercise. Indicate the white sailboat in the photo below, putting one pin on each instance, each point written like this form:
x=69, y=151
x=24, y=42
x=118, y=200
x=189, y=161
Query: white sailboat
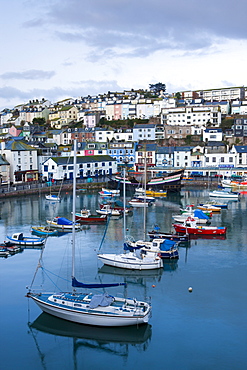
x=88, y=308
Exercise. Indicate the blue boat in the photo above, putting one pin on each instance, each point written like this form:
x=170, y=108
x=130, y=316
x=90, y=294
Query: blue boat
x=19, y=239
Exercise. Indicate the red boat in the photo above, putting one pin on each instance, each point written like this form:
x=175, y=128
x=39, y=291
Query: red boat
x=190, y=227
x=85, y=217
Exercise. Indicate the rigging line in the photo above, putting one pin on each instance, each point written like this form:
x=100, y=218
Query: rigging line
x=103, y=238
x=39, y=265
x=51, y=279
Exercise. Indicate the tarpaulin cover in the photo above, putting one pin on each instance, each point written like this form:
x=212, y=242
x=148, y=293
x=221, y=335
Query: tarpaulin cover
x=198, y=213
x=64, y=221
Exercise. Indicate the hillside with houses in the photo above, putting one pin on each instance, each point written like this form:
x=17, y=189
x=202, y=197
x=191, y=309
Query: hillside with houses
x=204, y=132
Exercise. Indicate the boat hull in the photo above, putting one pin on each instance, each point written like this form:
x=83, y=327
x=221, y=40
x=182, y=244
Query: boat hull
x=200, y=230
x=91, y=219
x=170, y=183
x=175, y=237
x=130, y=262
x=99, y=316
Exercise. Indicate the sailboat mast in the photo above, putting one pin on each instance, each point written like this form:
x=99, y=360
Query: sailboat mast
x=73, y=210
x=145, y=188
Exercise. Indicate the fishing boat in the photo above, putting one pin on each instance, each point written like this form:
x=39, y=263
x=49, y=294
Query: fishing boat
x=43, y=231
x=156, y=234
x=62, y=223
x=53, y=197
x=87, y=308
x=224, y=194
x=20, y=239
x=107, y=210
x=85, y=217
x=198, y=215
x=190, y=227
x=167, y=249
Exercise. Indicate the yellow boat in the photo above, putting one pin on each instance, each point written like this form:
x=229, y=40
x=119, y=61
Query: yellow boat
x=158, y=193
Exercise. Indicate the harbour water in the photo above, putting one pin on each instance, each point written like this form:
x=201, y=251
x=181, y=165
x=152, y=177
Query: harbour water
x=202, y=329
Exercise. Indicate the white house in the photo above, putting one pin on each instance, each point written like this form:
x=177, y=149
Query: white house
x=144, y=132
x=59, y=168
x=22, y=159
x=212, y=134
x=103, y=134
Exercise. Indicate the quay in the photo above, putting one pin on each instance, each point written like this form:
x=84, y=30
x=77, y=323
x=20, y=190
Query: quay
x=23, y=189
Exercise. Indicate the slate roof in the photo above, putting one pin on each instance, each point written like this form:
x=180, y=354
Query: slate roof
x=241, y=148
x=83, y=159
x=18, y=146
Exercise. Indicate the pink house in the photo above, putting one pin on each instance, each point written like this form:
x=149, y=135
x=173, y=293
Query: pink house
x=13, y=131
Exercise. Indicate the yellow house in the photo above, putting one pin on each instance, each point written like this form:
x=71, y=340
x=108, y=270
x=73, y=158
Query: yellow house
x=63, y=116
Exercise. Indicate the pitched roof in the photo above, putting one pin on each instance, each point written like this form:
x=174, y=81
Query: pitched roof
x=83, y=159
x=18, y=145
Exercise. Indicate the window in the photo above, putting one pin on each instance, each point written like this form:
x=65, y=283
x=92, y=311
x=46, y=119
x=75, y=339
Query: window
x=231, y=159
x=222, y=159
x=207, y=159
x=214, y=159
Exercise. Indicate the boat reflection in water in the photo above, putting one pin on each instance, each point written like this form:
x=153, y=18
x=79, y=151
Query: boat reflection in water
x=219, y=237
x=114, y=340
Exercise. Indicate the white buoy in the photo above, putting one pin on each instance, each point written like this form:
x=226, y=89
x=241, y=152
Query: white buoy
x=190, y=289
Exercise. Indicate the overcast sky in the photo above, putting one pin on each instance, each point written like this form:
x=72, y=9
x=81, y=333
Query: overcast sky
x=68, y=48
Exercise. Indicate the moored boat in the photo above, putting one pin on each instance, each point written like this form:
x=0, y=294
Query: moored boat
x=85, y=217
x=190, y=227
x=63, y=223
x=224, y=194
x=43, y=231
x=165, y=248
x=20, y=239
x=170, y=182
x=53, y=197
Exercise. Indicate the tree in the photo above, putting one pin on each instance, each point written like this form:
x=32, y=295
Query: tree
x=156, y=88
x=39, y=121
x=178, y=95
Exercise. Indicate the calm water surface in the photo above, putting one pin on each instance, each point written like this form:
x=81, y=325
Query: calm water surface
x=199, y=330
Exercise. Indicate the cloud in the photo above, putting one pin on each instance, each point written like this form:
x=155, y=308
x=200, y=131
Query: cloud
x=131, y=24
x=31, y=74
x=80, y=89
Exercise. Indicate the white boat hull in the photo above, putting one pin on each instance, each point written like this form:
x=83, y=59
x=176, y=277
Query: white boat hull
x=130, y=261
x=100, y=316
x=62, y=227
x=219, y=194
x=198, y=220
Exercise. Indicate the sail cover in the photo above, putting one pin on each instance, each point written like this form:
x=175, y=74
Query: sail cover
x=198, y=213
x=167, y=245
x=64, y=221
x=103, y=300
x=78, y=284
